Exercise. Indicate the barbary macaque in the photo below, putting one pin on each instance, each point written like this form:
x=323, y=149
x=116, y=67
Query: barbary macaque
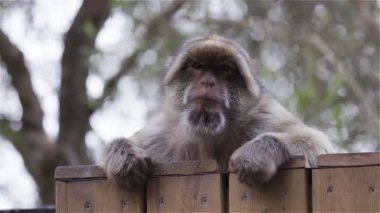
x=215, y=107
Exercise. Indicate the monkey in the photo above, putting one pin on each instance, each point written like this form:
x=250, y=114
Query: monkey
x=215, y=107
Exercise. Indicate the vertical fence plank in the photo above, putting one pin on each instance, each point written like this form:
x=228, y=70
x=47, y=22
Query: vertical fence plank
x=85, y=189
x=287, y=192
x=60, y=197
x=347, y=183
x=102, y=196
x=196, y=193
x=340, y=183
x=186, y=187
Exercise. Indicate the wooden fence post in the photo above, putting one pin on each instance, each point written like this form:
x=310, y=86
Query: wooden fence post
x=286, y=192
x=186, y=187
x=347, y=183
x=86, y=189
x=339, y=183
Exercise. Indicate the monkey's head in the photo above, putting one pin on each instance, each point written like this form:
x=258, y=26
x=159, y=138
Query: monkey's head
x=209, y=80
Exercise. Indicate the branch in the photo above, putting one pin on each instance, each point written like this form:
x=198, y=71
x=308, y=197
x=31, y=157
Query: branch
x=367, y=19
x=32, y=116
x=74, y=112
x=154, y=29
x=33, y=144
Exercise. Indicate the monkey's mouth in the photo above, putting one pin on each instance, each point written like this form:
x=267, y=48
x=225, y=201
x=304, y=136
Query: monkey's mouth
x=206, y=115
x=206, y=103
x=206, y=121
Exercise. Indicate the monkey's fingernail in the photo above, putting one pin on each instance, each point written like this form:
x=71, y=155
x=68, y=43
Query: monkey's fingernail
x=231, y=166
x=149, y=162
x=242, y=176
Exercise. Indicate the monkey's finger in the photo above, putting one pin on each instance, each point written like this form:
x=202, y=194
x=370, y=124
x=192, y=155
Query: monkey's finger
x=139, y=178
x=135, y=177
x=142, y=165
x=242, y=175
x=149, y=161
x=231, y=167
x=250, y=180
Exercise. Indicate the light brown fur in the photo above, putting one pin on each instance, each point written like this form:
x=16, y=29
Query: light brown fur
x=259, y=134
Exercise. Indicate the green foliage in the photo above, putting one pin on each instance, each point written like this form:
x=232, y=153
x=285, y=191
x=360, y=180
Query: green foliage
x=89, y=29
x=319, y=86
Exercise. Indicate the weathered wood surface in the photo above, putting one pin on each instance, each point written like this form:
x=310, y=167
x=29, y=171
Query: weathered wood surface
x=79, y=172
x=86, y=189
x=295, y=163
x=178, y=168
x=97, y=196
x=286, y=192
x=339, y=183
x=347, y=183
x=349, y=160
x=185, y=168
x=185, y=187
x=196, y=193
x=60, y=196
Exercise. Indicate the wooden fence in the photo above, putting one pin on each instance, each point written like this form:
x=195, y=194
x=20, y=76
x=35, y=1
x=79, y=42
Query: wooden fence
x=340, y=183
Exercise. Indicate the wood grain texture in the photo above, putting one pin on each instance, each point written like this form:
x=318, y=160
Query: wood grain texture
x=196, y=193
x=354, y=189
x=100, y=196
x=340, y=183
x=287, y=192
x=295, y=163
x=185, y=168
x=178, y=168
x=60, y=196
x=349, y=159
x=79, y=172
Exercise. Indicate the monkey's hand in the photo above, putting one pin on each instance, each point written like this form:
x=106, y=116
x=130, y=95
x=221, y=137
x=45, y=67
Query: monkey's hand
x=257, y=160
x=125, y=163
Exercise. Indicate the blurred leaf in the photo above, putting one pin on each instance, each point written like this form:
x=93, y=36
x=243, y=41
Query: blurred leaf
x=89, y=29
x=332, y=89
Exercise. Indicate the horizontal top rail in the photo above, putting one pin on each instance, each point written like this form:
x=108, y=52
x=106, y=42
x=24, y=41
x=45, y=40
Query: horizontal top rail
x=185, y=168
x=210, y=166
x=79, y=172
x=159, y=169
x=349, y=159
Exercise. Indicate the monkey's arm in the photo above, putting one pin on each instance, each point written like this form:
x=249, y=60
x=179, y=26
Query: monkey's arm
x=283, y=138
x=258, y=159
x=126, y=161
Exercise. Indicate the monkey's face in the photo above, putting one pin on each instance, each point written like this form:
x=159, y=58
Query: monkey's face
x=207, y=97
x=209, y=80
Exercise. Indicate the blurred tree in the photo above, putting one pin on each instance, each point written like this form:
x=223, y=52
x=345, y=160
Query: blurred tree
x=41, y=155
x=320, y=58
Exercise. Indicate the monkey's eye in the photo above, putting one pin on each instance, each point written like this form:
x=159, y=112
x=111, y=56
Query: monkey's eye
x=197, y=65
x=229, y=72
x=230, y=75
x=225, y=67
x=195, y=69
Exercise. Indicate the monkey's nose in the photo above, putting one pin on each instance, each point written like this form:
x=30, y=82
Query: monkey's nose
x=207, y=80
x=207, y=83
